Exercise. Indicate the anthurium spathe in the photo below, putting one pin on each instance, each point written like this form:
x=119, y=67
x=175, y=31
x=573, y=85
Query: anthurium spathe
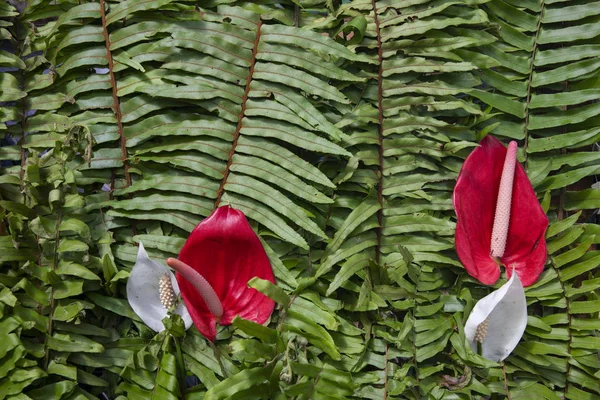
x=152, y=291
x=498, y=320
x=500, y=220
x=218, y=259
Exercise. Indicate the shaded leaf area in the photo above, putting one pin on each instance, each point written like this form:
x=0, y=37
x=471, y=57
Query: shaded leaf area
x=49, y=253
x=542, y=92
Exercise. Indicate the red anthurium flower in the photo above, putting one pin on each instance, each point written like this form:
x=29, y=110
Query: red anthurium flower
x=500, y=220
x=219, y=258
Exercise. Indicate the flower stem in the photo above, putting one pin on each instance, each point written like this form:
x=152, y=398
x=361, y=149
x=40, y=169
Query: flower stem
x=502, y=217
x=505, y=381
x=217, y=354
x=181, y=365
x=200, y=284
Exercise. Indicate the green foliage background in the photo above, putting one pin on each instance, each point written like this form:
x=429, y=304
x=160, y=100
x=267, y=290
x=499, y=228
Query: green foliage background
x=131, y=121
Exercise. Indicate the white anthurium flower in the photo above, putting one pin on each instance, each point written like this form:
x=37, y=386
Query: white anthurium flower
x=152, y=290
x=498, y=320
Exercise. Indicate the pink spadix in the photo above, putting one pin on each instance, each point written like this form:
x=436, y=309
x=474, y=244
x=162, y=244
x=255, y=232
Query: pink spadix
x=502, y=216
x=201, y=285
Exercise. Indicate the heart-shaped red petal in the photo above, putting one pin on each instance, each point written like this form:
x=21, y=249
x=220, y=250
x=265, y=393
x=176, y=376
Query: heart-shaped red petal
x=475, y=198
x=227, y=253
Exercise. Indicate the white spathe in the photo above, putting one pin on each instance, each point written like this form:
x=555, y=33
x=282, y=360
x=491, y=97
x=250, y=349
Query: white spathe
x=506, y=311
x=144, y=296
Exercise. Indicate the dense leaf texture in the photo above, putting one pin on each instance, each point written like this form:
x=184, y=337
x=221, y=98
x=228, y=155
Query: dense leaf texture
x=339, y=130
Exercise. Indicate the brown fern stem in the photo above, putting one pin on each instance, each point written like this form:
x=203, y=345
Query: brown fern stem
x=567, y=301
x=379, y=131
x=569, y=329
x=561, y=199
x=238, y=128
x=530, y=79
x=21, y=142
x=116, y=103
